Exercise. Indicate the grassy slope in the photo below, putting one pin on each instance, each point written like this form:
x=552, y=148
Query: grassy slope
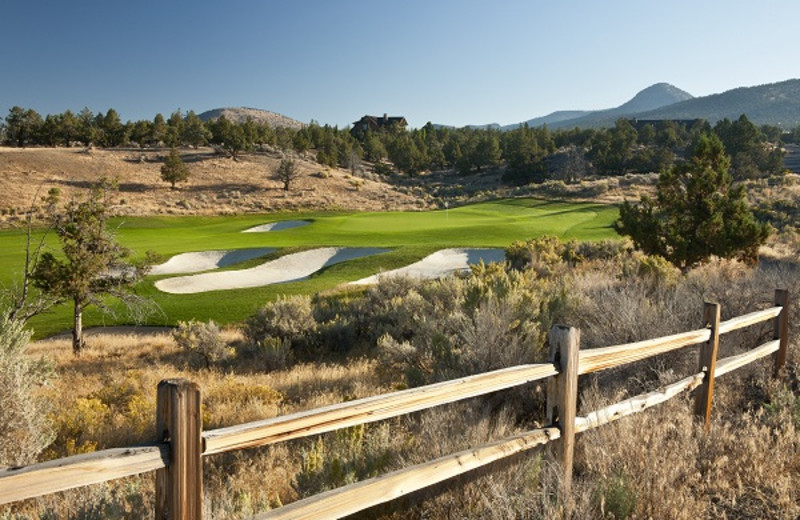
x=411, y=236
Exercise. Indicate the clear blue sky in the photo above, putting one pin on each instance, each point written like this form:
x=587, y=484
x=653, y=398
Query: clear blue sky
x=453, y=62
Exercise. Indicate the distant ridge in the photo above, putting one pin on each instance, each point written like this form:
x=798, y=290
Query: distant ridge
x=776, y=104
x=654, y=97
x=241, y=114
x=651, y=98
x=550, y=119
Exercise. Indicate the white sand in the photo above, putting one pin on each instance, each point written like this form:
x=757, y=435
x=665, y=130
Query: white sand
x=439, y=264
x=288, y=268
x=207, y=260
x=277, y=226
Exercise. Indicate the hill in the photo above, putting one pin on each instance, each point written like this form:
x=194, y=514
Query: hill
x=654, y=97
x=775, y=104
x=550, y=119
x=217, y=185
x=241, y=114
x=651, y=98
x=645, y=101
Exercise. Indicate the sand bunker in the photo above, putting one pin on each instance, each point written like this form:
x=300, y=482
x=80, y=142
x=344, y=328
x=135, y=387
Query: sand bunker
x=207, y=260
x=277, y=226
x=440, y=264
x=289, y=268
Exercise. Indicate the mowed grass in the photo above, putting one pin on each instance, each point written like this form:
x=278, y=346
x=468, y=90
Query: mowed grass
x=410, y=236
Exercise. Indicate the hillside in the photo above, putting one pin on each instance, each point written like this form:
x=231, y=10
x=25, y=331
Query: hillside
x=773, y=104
x=654, y=97
x=651, y=98
x=241, y=114
x=550, y=119
x=217, y=185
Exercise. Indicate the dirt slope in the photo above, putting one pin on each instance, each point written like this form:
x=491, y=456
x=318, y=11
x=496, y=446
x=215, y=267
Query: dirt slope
x=218, y=185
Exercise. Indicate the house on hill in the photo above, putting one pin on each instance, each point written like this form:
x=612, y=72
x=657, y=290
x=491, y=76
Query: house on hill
x=377, y=124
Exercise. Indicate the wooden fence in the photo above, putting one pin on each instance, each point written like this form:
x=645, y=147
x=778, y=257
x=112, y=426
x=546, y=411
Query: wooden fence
x=177, y=455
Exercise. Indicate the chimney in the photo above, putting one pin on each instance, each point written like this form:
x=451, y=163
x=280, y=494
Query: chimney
x=385, y=117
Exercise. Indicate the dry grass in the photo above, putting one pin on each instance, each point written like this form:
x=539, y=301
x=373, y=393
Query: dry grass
x=217, y=185
x=657, y=464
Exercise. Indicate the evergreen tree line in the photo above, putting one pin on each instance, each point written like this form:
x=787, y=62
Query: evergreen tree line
x=524, y=155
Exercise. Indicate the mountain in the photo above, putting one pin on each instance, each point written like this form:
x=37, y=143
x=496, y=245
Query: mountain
x=654, y=97
x=240, y=115
x=550, y=119
x=651, y=98
x=776, y=104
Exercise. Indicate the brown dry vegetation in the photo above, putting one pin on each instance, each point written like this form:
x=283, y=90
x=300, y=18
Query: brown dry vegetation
x=217, y=185
x=652, y=465
x=657, y=464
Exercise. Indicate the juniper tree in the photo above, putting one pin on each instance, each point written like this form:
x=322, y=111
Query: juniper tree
x=286, y=173
x=698, y=212
x=92, y=266
x=174, y=170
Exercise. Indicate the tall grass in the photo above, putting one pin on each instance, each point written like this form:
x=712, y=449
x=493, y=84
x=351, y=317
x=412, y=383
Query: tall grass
x=657, y=464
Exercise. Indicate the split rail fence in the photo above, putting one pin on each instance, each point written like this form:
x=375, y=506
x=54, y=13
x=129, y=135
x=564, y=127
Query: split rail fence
x=177, y=455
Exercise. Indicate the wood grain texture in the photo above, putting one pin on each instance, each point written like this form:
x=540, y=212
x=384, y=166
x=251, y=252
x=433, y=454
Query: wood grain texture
x=564, y=353
x=707, y=363
x=729, y=364
x=647, y=400
x=362, y=495
x=604, y=358
x=749, y=319
x=179, y=487
x=370, y=409
x=81, y=470
x=638, y=403
x=781, y=328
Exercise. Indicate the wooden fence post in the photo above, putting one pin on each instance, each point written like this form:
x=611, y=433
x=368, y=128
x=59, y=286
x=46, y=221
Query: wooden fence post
x=781, y=330
x=708, y=363
x=179, y=486
x=562, y=394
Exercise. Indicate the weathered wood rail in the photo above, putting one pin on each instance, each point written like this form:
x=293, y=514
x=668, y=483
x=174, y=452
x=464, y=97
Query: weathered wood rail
x=176, y=456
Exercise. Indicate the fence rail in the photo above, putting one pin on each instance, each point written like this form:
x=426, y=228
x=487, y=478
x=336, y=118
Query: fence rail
x=177, y=455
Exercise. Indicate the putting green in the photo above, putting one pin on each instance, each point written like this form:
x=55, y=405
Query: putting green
x=410, y=236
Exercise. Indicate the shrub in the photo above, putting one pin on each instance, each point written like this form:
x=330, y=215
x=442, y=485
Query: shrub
x=268, y=354
x=287, y=318
x=455, y=327
x=234, y=401
x=542, y=254
x=79, y=425
x=24, y=426
x=201, y=338
x=549, y=256
x=658, y=270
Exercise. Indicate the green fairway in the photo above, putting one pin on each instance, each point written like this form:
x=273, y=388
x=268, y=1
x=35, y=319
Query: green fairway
x=410, y=235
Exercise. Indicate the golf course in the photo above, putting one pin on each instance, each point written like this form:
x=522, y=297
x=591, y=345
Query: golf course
x=389, y=241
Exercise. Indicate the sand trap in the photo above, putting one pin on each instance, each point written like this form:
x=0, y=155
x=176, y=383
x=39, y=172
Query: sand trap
x=207, y=260
x=440, y=264
x=288, y=268
x=277, y=226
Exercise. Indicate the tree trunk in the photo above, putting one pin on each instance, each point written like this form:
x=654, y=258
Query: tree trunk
x=77, y=329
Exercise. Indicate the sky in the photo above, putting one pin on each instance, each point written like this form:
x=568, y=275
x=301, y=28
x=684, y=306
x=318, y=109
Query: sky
x=454, y=62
